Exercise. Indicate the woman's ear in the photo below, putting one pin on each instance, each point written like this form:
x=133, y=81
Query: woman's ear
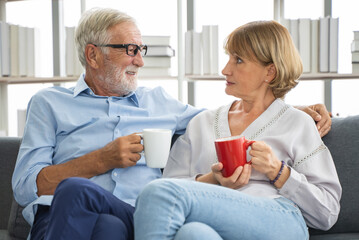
x=92, y=54
x=272, y=72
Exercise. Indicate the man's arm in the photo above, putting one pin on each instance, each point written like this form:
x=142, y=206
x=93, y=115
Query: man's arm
x=320, y=115
x=121, y=153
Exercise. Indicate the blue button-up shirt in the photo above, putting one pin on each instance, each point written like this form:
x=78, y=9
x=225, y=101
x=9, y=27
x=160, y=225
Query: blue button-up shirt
x=63, y=124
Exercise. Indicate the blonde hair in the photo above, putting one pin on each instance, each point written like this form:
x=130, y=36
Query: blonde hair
x=268, y=42
x=93, y=26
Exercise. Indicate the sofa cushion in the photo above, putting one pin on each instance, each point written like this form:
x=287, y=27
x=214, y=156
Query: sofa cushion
x=343, y=143
x=18, y=227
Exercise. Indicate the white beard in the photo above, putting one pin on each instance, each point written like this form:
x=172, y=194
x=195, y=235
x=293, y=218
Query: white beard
x=117, y=81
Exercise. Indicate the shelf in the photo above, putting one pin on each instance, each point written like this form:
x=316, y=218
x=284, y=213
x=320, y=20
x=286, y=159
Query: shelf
x=304, y=77
x=29, y=80
x=329, y=76
x=25, y=80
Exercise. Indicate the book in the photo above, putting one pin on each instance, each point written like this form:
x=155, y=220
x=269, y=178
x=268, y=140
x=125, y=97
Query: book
x=355, y=46
x=188, y=52
x=286, y=23
x=14, y=50
x=355, y=68
x=154, y=71
x=333, y=44
x=315, y=45
x=5, y=48
x=294, y=31
x=156, y=40
x=355, y=57
x=304, y=43
x=324, y=44
x=70, y=51
x=157, y=61
x=22, y=51
x=197, y=61
x=214, y=48
x=356, y=35
x=30, y=48
x=160, y=50
x=206, y=46
x=21, y=121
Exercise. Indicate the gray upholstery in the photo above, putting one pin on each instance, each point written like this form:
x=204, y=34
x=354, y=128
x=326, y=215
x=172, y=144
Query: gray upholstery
x=343, y=143
x=12, y=225
x=342, y=140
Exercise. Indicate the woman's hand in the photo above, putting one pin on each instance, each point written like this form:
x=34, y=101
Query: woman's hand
x=264, y=160
x=239, y=178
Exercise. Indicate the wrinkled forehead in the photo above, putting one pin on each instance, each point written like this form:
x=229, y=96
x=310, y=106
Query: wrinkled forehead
x=125, y=32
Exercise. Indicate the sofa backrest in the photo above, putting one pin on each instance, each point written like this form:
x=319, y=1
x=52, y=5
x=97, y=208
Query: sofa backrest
x=343, y=143
x=9, y=147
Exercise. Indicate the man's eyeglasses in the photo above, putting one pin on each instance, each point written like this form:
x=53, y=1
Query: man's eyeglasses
x=131, y=49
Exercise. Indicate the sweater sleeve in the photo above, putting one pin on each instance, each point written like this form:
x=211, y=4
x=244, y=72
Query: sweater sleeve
x=313, y=183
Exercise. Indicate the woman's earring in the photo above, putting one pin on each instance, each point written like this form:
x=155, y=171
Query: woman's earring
x=266, y=80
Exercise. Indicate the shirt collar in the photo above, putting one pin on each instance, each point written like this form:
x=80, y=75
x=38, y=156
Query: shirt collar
x=82, y=86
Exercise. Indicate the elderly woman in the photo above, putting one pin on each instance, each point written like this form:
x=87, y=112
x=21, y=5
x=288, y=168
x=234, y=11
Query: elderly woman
x=292, y=182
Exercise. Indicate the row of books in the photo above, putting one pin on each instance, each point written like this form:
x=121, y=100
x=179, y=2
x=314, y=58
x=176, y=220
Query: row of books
x=355, y=53
x=17, y=50
x=201, y=51
x=158, y=60
x=316, y=41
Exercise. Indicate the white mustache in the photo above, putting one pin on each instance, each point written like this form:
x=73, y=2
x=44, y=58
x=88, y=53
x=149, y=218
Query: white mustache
x=131, y=69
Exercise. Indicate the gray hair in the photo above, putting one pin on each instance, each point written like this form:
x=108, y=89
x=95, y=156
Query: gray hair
x=93, y=26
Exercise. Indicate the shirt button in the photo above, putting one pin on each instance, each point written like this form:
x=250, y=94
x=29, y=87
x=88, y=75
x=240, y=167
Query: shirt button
x=115, y=174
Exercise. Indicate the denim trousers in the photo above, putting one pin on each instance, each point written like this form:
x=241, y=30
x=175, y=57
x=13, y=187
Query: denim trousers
x=187, y=210
x=82, y=210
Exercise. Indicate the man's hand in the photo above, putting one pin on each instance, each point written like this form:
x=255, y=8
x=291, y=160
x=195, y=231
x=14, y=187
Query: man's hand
x=122, y=152
x=320, y=115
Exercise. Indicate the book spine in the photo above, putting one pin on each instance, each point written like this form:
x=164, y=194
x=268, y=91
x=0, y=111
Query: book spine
x=304, y=43
x=333, y=44
x=315, y=46
x=188, y=52
x=214, y=47
x=324, y=44
x=14, y=50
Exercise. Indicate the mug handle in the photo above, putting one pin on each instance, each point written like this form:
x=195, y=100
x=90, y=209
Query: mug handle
x=247, y=144
x=143, y=152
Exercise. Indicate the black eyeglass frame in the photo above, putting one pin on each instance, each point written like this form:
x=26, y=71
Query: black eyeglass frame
x=142, y=48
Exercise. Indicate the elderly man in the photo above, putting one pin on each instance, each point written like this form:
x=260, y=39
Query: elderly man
x=81, y=141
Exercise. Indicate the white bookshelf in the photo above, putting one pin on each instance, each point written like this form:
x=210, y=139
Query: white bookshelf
x=185, y=11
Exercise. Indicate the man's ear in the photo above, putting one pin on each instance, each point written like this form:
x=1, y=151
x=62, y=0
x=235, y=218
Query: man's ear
x=92, y=55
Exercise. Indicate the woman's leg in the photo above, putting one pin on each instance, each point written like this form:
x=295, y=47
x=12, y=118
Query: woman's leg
x=196, y=231
x=165, y=205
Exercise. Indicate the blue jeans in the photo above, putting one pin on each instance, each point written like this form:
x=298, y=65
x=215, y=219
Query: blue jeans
x=182, y=209
x=82, y=210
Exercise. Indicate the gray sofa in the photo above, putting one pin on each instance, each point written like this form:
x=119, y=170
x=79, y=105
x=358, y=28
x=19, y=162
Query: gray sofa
x=343, y=141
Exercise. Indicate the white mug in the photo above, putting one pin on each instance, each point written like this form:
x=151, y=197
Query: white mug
x=157, y=144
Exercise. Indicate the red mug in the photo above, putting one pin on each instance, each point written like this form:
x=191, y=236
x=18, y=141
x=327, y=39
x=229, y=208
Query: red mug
x=232, y=153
